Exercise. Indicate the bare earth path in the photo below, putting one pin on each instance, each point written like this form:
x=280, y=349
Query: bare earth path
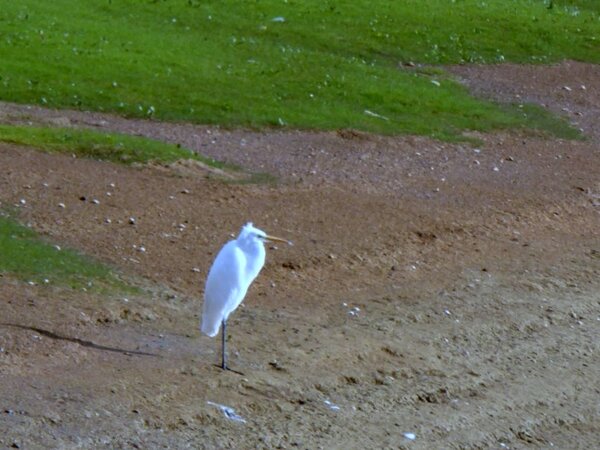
x=475, y=271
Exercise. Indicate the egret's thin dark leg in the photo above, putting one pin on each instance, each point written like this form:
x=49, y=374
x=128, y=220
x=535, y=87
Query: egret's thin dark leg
x=224, y=349
x=223, y=337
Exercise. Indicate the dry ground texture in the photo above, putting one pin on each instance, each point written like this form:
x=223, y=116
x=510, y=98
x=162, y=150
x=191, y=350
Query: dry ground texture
x=475, y=271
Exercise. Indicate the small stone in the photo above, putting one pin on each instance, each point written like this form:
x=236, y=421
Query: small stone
x=96, y=201
x=61, y=205
x=132, y=221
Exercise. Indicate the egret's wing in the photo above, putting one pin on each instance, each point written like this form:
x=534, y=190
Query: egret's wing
x=224, y=289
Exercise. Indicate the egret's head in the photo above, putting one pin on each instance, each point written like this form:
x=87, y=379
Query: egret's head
x=250, y=232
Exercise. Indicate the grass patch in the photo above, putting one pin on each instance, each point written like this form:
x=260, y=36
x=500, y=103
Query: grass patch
x=309, y=64
x=541, y=119
x=113, y=147
x=26, y=256
x=263, y=178
x=575, y=6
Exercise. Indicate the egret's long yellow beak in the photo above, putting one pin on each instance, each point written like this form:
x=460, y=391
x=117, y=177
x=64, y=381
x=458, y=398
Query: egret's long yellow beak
x=277, y=239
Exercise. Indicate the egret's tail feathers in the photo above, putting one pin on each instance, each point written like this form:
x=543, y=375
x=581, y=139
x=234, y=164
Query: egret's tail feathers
x=210, y=328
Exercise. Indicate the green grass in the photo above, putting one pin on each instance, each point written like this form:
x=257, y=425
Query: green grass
x=322, y=66
x=24, y=255
x=572, y=6
x=541, y=119
x=102, y=146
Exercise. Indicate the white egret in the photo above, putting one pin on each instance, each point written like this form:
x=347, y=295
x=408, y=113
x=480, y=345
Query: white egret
x=235, y=268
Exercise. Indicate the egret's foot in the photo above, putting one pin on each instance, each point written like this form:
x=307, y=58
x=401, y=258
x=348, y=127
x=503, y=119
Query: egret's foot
x=227, y=368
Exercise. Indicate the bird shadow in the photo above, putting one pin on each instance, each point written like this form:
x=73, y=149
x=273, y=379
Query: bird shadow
x=228, y=369
x=82, y=342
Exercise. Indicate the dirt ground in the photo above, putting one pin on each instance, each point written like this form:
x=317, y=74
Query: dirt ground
x=446, y=290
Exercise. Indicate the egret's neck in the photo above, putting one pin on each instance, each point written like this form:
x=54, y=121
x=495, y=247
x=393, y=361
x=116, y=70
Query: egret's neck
x=255, y=258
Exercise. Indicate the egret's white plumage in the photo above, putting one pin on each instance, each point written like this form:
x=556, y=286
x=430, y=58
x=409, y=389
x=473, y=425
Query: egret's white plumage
x=235, y=268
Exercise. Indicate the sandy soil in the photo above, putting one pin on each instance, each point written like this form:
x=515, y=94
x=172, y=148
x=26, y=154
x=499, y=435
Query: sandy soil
x=437, y=289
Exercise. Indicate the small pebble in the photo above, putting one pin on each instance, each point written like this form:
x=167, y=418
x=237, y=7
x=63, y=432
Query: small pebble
x=132, y=220
x=331, y=405
x=61, y=205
